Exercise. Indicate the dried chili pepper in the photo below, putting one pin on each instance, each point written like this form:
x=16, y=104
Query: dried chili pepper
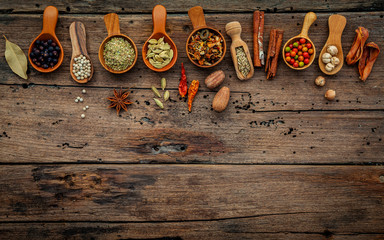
x=183, y=87
x=356, y=51
x=370, y=53
x=192, y=93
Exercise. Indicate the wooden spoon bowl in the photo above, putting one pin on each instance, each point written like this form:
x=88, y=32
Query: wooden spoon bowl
x=336, y=25
x=111, y=21
x=196, y=14
x=50, y=17
x=159, y=17
x=78, y=39
x=308, y=20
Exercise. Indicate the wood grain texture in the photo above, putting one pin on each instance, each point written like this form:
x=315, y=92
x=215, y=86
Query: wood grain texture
x=235, y=229
x=292, y=90
x=43, y=124
x=120, y=6
x=294, y=198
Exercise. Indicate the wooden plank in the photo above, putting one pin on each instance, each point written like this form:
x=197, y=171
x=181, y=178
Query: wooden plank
x=214, y=199
x=100, y=6
x=43, y=124
x=164, y=231
x=290, y=90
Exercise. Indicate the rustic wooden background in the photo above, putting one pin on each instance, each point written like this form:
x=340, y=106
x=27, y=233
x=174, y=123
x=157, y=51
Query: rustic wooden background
x=280, y=163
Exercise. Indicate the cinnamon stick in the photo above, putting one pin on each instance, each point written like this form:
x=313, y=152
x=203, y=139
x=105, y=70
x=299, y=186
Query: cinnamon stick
x=357, y=47
x=258, y=35
x=370, y=53
x=275, y=41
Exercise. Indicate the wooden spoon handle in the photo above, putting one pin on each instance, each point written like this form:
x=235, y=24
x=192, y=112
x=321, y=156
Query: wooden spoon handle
x=336, y=25
x=159, y=18
x=111, y=21
x=196, y=14
x=308, y=20
x=78, y=39
x=50, y=19
x=233, y=29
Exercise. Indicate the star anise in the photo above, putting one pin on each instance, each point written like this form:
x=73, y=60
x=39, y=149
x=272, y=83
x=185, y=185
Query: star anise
x=119, y=100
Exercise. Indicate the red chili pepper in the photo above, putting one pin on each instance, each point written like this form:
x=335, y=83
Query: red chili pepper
x=183, y=86
x=192, y=93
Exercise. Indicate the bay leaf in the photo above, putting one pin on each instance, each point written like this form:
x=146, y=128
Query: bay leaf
x=16, y=59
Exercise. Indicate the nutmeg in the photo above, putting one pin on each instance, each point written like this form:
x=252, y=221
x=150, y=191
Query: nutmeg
x=215, y=79
x=220, y=101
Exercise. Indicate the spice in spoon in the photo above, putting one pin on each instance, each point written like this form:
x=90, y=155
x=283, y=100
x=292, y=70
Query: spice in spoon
x=118, y=54
x=242, y=61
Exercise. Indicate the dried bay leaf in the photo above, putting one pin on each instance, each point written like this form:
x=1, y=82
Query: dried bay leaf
x=16, y=59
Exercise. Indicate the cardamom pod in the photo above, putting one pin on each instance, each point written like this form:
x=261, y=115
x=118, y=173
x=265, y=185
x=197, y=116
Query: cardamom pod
x=155, y=91
x=160, y=104
x=163, y=83
x=166, y=95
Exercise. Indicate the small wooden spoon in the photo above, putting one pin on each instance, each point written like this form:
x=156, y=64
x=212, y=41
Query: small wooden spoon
x=111, y=21
x=159, y=17
x=79, y=47
x=336, y=25
x=196, y=14
x=308, y=20
x=50, y=17
x=233, y=29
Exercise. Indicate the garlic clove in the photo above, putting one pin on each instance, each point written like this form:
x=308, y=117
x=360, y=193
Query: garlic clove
x=329, y=67
x=335, y=61
x=332, y=50
x=326, y=58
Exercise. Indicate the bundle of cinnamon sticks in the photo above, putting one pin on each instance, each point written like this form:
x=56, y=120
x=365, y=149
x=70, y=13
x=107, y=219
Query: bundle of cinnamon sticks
x=275, y=41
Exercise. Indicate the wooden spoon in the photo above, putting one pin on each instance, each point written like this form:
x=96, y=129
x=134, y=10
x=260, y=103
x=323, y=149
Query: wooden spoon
x=234, y=31
x=196, y=14
x=79, y=47
x=111, y=21
x=50, y=17
x=336, y=25
x=159, y=17
x=308, y=20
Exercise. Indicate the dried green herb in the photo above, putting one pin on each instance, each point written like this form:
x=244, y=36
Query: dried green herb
x=118, y=54
x=16, y=58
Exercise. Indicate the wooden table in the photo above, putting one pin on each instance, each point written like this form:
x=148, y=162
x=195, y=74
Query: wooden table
x=281, y=162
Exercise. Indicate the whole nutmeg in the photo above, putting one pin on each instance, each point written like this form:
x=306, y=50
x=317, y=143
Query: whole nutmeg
x=330, y=94
x=332, y=50
x=215, y=79
x=220, y=101
x=320, y=81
